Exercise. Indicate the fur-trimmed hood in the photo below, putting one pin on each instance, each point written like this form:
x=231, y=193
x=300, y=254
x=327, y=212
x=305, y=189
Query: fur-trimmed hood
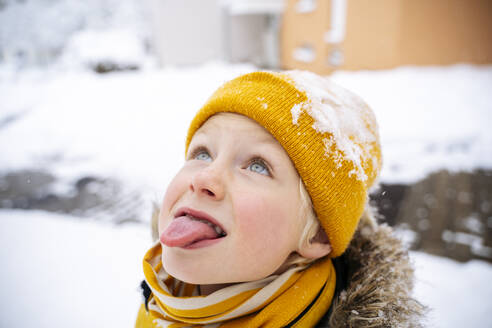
x=379, y=284
x=379, y=281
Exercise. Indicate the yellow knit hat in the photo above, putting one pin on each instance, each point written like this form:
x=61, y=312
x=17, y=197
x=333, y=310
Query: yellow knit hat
x=330, y=134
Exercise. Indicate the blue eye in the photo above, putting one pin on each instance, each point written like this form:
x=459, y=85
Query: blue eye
x=203, y=155
x=259, y=167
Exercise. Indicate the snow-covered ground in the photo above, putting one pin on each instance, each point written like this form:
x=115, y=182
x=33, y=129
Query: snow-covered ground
x=61, y=271
x=458, y=294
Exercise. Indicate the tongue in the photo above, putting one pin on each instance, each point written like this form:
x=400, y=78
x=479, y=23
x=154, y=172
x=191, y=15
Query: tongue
x=184, y=231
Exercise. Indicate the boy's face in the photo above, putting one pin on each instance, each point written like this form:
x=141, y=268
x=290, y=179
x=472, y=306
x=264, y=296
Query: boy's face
x=239, y=176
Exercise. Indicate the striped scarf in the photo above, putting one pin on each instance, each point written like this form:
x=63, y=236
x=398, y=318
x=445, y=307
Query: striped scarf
x=300, y=296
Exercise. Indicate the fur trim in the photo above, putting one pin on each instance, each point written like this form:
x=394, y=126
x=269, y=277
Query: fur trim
x=380, y=282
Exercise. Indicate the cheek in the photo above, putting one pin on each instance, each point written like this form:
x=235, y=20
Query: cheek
x=265, y=222
x=176, y=188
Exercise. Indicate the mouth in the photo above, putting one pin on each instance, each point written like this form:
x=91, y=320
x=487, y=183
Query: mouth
x=202, y=217
x=192, y=229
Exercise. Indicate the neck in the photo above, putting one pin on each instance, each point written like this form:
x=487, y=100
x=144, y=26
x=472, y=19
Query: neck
x=293, y=258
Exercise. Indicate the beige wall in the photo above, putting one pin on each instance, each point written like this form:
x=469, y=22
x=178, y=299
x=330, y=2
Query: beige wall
x=387, y=33
x=446, y=31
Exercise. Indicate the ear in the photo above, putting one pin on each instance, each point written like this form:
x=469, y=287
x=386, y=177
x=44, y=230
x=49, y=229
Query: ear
x=317, y=247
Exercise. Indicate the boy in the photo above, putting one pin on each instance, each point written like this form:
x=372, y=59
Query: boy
x=253, y=227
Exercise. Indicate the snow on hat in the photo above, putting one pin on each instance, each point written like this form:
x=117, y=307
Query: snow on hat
x=329, y=133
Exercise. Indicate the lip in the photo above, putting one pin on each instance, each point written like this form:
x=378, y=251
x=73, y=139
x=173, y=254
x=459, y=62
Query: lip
x=199, y=215
x=202, y=243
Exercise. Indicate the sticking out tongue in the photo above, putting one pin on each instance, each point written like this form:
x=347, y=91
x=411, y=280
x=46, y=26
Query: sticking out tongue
x=184, y=231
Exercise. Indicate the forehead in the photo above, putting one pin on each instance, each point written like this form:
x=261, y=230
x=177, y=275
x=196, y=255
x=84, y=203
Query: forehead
x=231, y=123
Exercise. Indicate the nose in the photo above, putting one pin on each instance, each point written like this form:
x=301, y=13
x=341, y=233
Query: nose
x=209, y=182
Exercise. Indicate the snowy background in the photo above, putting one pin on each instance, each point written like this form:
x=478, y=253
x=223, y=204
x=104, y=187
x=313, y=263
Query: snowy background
x=120, y=136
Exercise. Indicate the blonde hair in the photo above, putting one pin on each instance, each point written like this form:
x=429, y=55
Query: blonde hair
x=306, y=211
x=311, y=227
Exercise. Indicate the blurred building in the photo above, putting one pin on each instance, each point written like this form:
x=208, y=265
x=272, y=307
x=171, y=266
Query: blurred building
x=323, y=35
x=195, y=31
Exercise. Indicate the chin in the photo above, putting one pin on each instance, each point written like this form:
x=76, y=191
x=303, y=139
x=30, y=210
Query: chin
x=194, y=271
x=191, y=273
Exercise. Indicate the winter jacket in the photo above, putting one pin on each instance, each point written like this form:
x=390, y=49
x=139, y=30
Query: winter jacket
x=379, y=282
